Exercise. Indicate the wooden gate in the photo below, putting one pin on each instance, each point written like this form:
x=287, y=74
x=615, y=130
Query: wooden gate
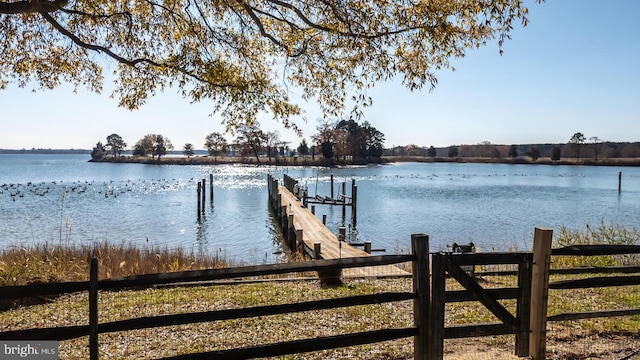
x=451, y=265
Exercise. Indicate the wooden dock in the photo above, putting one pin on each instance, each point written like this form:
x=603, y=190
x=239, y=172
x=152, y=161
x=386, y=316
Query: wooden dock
x=306, y=233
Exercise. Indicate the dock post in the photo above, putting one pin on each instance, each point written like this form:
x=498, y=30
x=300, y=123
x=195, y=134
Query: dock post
x=313, y=209
x=211, y=188
x=354, y=205
x=620, y=181
x=304, y=198
x=283, y=211
x=324, y=219
x=353, y=185
x=300, y=241
x=344, y=199
x=204, y=192
x=317, y=247
x=269, y=186
x=199, y=199
x=342, y=233
x=284, y=225
x=367, y=247
x=291, y=233
x=332, y=187
x=274, y=186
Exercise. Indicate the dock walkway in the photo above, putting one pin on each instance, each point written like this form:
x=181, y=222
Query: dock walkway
x=298, y=220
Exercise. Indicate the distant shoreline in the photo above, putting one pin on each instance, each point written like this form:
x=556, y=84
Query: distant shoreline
x=319, y=161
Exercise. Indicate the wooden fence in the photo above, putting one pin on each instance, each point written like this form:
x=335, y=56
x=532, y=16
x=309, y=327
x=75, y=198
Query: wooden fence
x=420, y=295
x=453, y=265
x=429, y=299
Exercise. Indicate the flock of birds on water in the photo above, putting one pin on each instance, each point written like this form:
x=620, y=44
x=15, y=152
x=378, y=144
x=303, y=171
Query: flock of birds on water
x=114, y=189
x=111, y=189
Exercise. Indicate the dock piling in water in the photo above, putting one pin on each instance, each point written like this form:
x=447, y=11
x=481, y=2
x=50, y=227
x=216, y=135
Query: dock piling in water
x=211, y=188
x=620, y=181
x=199, y=199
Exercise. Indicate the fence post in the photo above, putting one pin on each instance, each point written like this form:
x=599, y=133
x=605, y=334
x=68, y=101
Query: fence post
x=523, y=307
x=421, y=304
x=438, y=292
x=539, y=292
x=93, y=309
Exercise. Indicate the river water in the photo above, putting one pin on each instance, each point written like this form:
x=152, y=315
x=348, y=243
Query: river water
x=65, y=199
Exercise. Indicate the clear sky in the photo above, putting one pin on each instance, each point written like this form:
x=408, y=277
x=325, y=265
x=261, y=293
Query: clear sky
x=575, y=68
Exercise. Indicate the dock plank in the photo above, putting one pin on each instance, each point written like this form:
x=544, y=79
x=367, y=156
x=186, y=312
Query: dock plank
x=314, y=231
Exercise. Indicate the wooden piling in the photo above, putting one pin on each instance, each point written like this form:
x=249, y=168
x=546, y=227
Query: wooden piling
x=324, y=219
x=204, y=192
x=199, y=199
x=300, y=240
x=620, y=181
x=344, y=199
x=291, y=233
x=211, y=188
x=367, y=247
x=332, y=187
x=317, y=248
x=354, y=205
x=342, y=233
x=313, y=209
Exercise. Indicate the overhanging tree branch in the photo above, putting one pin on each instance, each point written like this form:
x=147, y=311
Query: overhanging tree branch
x=32, y=6
x=130, y=62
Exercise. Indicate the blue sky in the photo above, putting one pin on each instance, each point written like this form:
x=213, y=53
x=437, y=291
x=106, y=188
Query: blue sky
x=575, y=68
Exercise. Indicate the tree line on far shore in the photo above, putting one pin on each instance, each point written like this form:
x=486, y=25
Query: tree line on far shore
x=578, y=147
x=347, y=138
x=334, y=140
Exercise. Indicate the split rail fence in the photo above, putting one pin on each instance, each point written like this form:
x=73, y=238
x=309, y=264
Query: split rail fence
x=429, y=297
x=420, y=295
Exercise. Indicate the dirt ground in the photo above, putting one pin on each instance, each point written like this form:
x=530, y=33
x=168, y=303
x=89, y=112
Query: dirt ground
x=616, y=347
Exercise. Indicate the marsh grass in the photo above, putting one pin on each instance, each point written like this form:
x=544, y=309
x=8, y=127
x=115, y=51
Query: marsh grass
x=55, y=263
x=603, y=234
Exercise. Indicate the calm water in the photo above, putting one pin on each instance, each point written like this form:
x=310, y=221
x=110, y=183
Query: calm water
x=65, y=199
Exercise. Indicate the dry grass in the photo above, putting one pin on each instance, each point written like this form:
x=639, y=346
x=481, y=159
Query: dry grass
x=46, y=263
x=166, y=341
x=207, y=336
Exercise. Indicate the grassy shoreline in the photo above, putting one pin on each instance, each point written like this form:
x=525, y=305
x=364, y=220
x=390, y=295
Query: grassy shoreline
x=319, y=161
